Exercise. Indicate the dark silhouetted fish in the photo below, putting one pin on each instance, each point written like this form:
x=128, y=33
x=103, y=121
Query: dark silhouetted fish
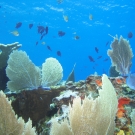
x=130, y=35
x=41, y=29
x=58, y=53
x=46, y=29
x=30, y=25
x=107, y=43
x=96, y=49
x=37, y=43
x=42, y=36
x=106, y=59
x=61, y=33
x=76, y=37
x=99, y=57
x=91, y=59
x=18, y=25
x=49, y=48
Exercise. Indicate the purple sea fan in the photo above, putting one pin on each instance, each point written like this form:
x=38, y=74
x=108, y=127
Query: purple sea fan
x=121, y=55
x=131, y=81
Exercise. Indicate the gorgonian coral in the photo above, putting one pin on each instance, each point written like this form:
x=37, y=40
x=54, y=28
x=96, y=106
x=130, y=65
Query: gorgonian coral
x=121, y=55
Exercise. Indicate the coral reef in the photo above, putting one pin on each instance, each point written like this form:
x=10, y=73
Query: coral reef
x=121, y=55
x=33, y=104
x=88, y=117
x=90, y=89
x=5, y=52
x=41, y=104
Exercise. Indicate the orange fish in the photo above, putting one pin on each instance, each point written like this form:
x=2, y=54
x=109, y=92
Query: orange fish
x=98, y=82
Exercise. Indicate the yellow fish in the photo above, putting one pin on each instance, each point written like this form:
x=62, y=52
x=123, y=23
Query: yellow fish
x=91, y=17
x=43, y=43
x=15, y=33
x=65, y=18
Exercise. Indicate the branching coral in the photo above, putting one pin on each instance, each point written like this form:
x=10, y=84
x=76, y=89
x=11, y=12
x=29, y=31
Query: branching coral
x=121, y=55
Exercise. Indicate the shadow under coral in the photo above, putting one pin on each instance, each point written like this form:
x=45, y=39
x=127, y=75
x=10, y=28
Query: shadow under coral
x=34, y=104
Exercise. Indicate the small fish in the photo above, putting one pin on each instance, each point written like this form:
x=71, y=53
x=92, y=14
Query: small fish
x=96, y=49
x=37, y=43
x=65, y=18
x=46, y=29
x=42, y=37
x=41, y=29
x=106, y=59
x=91, y=17
x=59, y=53
x=76, y=37
x=15, y=33
x=18, y=25
x=91, y=59
x=130, y=35
x=30, y=25
x=99, y=57
x=49, y=48
x=59, y=1
x=107, y=43
x=43, y=43
x=61, y=33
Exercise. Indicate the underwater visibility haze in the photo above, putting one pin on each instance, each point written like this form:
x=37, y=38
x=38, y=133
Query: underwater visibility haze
x=72, y=31
x=44, y=45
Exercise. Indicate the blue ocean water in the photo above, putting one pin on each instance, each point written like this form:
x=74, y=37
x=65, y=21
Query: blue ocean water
x=109, y=17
